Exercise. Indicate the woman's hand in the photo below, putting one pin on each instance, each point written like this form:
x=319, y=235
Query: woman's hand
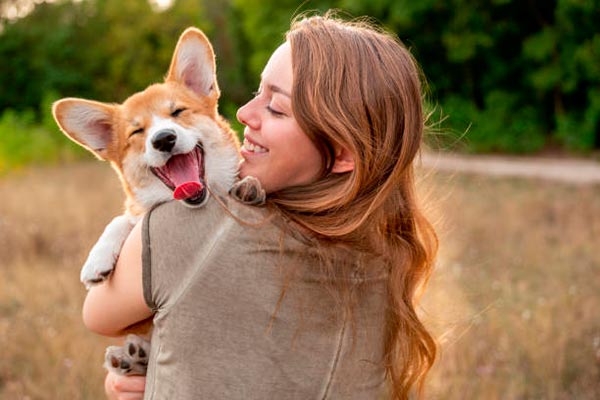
x=119, y=387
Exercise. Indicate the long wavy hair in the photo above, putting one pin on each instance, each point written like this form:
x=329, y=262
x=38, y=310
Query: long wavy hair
x=358, y=87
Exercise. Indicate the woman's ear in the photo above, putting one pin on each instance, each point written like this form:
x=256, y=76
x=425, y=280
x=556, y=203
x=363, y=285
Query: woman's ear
x=344, y=161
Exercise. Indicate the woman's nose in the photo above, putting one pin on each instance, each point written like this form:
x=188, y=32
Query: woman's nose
x=247, y=116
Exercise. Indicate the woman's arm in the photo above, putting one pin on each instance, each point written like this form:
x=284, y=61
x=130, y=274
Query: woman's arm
x=119, y=302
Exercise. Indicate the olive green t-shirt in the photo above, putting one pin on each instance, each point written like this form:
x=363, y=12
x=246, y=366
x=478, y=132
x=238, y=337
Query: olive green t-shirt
x=222, y=329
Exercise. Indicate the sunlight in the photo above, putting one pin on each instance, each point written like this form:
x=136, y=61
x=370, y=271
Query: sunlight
x=17, y=9
x=162, y=4
x=20, y=8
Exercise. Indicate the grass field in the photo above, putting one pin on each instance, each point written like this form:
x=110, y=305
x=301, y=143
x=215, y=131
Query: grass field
x=514, y=302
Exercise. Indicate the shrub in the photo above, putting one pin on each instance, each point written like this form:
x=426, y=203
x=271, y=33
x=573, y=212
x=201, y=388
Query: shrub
x=502, y=126
x=24, y=141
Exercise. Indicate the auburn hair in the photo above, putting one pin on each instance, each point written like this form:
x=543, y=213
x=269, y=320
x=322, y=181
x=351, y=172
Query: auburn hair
x=357, y=87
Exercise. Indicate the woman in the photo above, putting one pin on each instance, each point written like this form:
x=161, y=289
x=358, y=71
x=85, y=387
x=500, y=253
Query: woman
x=321, y=303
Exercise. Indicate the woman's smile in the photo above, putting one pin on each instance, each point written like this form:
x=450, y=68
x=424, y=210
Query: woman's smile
x=275, y=149
x=250, y=147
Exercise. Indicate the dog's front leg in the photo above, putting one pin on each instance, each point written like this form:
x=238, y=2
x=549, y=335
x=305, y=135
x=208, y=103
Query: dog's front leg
x=103, y=256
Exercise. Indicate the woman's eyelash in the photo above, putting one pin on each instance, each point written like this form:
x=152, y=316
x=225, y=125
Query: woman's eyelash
x=268, y=106
x=274, y=112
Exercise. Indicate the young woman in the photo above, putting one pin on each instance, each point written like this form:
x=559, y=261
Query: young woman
x=317, y=298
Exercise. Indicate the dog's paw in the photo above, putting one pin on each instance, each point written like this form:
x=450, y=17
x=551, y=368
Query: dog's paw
x=103, y=256
x=129, y=359
x=248, y=191
x=98, y=266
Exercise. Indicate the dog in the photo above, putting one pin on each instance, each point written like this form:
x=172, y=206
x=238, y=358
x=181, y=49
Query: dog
x=166, y=143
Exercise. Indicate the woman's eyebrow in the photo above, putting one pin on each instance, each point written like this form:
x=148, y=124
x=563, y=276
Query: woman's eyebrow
x=277, y=89
x=274, y=88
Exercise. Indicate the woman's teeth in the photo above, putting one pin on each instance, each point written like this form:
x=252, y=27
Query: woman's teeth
x=254, y=148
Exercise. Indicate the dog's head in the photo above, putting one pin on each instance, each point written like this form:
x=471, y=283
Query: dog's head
x=167, y=141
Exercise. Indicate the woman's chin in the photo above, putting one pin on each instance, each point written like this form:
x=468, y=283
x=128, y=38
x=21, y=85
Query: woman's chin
x=246, y=169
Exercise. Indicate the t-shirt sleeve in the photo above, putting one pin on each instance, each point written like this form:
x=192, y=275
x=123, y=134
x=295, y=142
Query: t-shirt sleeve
x=174, y=238
x=146, y=262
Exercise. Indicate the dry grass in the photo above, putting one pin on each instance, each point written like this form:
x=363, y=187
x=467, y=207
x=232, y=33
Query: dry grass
x=514, y=300
x=49, y=218
x=516, y=296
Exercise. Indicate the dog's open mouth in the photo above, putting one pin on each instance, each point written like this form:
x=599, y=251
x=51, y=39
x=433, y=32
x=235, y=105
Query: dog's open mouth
x=184, y=175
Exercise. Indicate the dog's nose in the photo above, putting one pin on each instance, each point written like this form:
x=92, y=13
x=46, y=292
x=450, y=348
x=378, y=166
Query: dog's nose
x=164, y=140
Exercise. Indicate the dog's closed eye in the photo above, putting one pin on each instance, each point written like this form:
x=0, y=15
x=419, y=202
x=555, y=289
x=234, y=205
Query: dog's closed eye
x=178, y=111
x=136, y=132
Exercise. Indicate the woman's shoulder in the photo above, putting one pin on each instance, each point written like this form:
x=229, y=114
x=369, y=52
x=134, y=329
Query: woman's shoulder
x=216, y=207
x=258, y=227
x=218, y=215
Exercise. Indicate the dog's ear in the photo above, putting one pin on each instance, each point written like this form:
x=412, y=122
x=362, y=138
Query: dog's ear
x=193, y=64
x=88, y=123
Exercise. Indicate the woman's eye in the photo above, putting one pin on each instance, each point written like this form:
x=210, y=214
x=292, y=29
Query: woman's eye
x=137, y=132
x=275, y=112
x=178, y=111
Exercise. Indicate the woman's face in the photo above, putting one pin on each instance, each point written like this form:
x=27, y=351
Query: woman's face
x=275, y=150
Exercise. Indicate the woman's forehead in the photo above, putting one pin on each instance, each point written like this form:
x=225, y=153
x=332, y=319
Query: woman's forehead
x=278, y=72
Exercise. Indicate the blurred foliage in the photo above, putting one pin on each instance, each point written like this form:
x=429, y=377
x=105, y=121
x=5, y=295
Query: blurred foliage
x=510, y=76
x=25, y=140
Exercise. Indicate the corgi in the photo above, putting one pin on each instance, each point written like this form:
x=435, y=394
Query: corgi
x=166, y=143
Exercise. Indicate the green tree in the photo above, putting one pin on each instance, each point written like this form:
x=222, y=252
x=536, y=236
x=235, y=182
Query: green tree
x=517, y=74
x=565, y=71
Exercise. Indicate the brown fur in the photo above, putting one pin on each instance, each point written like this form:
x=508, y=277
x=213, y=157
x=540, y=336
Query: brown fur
x=124, y=134
x=138, y=110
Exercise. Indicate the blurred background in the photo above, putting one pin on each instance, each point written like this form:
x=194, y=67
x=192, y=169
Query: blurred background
x=514, y=300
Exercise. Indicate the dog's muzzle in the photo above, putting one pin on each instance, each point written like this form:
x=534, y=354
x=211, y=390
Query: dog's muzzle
x=164, y=141
x=182, y=173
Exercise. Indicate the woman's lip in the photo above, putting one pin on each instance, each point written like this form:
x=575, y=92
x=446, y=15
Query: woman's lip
x=246, y=154
x=254, y=142
x=251, y=148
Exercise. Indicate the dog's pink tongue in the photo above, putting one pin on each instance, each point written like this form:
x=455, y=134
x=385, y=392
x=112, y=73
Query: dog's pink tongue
x=184, y=173
x=187, y=190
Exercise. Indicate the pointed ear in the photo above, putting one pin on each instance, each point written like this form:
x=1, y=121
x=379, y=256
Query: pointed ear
x=89, y=123
x=344, y=161
x=193, y=63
